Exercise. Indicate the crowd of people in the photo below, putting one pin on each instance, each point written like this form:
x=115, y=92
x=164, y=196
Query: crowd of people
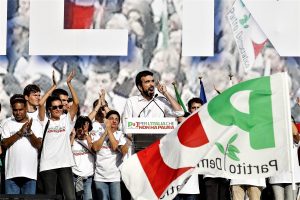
x=49, y=148
x=154, y=28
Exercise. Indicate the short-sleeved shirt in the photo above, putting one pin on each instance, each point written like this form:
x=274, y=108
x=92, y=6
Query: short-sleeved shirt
x=21, y=158
x=108, y=160
x=84, y=159
x=56, y=152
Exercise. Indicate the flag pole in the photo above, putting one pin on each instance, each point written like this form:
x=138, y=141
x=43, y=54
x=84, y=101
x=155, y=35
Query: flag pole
x=179, y=100
x=290, y=133
x=230, y=79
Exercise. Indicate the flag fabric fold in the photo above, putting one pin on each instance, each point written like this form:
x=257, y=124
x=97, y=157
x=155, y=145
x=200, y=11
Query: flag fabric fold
x=241, y=133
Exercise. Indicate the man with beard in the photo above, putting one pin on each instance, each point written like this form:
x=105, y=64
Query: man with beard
x=150, y=104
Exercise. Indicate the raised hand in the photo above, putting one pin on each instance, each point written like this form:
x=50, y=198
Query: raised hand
x=26, y=128
x=53, y=78
x=71, y=76
x=102, y=97
x=161, y=88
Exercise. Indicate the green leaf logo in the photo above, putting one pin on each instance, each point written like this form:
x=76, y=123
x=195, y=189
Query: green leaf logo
x=231, y=151
x=245, y=20
x=220, y=147
x=232, y=139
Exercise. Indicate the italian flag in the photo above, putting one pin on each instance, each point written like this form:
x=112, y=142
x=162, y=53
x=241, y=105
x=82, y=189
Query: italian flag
x=245, y=132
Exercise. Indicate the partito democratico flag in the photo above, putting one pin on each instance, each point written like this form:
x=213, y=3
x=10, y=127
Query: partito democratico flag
x=245, y=132
x=249, y=37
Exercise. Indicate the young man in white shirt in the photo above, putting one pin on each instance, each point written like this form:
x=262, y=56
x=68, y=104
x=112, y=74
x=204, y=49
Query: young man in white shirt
x=22, y=138
x=32, y=94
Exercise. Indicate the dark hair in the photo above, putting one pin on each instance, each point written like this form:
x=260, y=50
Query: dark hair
x=17, y=98
x=81, y=120
x=112, y=112
x=0, y=107
x=31, y=88
x=138, y=78
x=194, y=100
x=49, y=101
x=57, y=92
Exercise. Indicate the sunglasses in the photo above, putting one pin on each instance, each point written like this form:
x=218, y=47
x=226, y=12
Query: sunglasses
x=56, y=107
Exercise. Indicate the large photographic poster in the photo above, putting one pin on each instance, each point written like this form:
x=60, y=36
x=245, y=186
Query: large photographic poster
x=154, y=42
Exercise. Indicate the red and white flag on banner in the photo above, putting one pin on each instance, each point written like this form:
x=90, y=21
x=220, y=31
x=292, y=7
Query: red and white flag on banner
x=241, y=133
x=248, y=36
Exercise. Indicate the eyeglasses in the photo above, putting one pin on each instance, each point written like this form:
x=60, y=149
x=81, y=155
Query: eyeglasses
x=56, y=107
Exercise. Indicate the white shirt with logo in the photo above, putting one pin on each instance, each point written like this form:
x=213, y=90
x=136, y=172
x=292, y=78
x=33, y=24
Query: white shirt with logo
x=84, y=159
x=107, y=160
x=21, y=158
x=57, y=151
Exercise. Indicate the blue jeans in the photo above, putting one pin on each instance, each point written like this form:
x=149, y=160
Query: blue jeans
x=65, y=178
x=20, y=185
x=108, y=190
x=87, y=188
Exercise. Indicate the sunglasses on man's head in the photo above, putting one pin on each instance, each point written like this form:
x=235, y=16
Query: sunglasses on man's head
x=56, y=107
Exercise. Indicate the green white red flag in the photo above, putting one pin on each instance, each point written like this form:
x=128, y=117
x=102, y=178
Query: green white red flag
x=249, y=37
x=244, y=132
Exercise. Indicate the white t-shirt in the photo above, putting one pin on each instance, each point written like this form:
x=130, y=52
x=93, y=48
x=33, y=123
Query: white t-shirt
x=33, y=115
x=21, y=157
x=84, y=159
x=107, y=160
x=137, y=105
x=97, y=129
x=57, y=151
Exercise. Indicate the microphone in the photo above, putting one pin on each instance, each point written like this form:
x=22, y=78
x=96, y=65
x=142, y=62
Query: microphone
x=159, y=108
x=148, y=104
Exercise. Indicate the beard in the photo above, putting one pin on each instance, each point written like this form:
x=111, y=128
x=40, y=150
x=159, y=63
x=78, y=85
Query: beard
x=149, y=92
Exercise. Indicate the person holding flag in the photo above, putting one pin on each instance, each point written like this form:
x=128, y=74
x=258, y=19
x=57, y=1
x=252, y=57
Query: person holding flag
x=228, y=137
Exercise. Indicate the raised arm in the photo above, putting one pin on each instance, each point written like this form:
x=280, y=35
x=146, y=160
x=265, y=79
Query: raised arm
x=105, y=109
x=42, y=109
x=97, y=145
x=163, y=90
x=74, y=107
x=100, y=107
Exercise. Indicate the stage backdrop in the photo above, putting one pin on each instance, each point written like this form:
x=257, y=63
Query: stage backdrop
x=153, y=36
